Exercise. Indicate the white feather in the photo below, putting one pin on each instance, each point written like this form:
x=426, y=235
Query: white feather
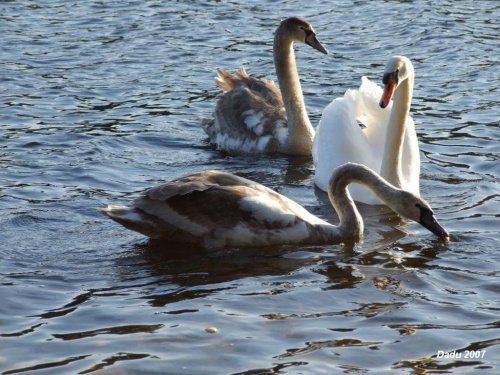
x=266, y=210
x=340, y=139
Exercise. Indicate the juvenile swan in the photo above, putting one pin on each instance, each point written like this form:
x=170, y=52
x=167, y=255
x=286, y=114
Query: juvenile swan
x=215, y=209
x=252, y=115
x=388, y=144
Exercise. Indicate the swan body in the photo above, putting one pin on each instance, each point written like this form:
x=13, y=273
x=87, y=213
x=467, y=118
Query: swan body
x=254, y=116
x=214, y=209
x=388, y=142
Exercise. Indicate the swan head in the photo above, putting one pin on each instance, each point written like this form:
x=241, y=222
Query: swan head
x=397, y=69
x=417, y=209
x=299, y=30
x=403, y=202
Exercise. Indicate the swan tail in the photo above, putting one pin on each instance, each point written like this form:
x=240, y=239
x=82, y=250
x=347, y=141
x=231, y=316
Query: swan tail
x=241, y=74
x=226, y=81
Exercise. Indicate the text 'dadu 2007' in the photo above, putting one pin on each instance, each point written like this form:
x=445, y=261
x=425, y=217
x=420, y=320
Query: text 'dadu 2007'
x=463, y=354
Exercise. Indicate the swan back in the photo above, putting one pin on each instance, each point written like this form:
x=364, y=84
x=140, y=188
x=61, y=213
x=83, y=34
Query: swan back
x=250, y=116
x=217, y=209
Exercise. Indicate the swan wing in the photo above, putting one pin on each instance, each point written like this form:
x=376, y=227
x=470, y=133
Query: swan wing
x=338, y=139
x=197, y=204
x=374, y=119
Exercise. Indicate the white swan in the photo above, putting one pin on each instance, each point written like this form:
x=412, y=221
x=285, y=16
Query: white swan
x=252, y=115
x=215, y=209
x=388, y=144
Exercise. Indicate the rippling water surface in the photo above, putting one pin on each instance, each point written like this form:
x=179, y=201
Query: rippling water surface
x=100, y=100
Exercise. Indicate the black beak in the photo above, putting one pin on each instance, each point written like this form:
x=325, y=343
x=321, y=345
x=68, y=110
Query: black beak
x=314, y=42
x=427, y=220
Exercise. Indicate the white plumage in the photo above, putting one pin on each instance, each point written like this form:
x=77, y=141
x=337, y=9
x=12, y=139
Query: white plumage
x=386, y=134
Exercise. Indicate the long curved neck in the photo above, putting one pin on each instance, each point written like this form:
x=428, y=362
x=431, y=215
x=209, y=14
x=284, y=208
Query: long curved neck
x=300, y=130
x=391, y=162
x=351, y=223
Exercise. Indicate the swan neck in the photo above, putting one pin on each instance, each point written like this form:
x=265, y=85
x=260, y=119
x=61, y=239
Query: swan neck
x=300, y=130
x=351, y=222
x=391, y=162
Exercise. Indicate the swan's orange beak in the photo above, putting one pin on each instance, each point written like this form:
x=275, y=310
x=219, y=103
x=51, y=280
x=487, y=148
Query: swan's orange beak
x=389, y=87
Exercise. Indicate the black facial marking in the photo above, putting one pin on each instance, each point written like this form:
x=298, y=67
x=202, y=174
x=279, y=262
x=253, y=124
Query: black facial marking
x=308, y=32
x=428, y=221
x=393, y=75
x=426, y=213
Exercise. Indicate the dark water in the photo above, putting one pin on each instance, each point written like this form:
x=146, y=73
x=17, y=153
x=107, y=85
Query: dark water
x=100, y=100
